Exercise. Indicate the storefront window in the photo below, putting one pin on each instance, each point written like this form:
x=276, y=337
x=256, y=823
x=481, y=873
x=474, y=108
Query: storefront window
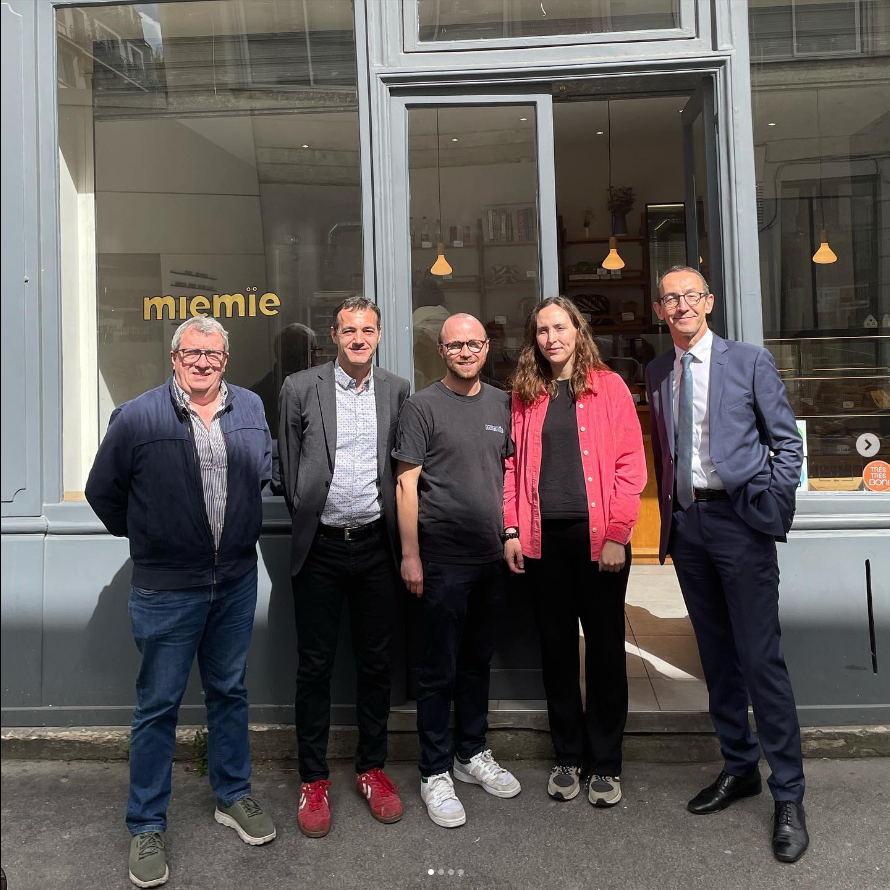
x=209, y=164
x=440, y=20
x=821, y=90
x=473, y=180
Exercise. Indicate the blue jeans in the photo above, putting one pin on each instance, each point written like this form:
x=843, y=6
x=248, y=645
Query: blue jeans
x=170, y=627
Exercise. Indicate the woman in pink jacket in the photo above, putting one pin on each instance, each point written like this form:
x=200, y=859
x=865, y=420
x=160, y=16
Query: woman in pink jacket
x=571, y=498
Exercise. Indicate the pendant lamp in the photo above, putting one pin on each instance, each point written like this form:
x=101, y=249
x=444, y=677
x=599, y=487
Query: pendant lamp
x=824, y=255
x=441, y=266
x=613, y=260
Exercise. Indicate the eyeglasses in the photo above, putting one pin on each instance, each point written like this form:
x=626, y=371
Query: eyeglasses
x=456, y=346
x=215, y=357
x=671, y=301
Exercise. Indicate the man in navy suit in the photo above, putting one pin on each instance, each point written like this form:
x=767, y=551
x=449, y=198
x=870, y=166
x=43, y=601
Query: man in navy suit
x=727, y=458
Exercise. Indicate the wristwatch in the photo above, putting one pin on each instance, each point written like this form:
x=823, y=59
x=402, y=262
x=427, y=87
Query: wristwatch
x=509, y=536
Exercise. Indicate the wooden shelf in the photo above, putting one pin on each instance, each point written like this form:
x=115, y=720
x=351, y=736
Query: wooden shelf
x=596, y=282
x=621, y=329
x=485, y=245
x=522, y=283
x=622, y=239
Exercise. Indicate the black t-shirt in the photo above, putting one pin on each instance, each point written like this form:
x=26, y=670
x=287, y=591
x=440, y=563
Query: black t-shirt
x=561, y=488
x=461, y=443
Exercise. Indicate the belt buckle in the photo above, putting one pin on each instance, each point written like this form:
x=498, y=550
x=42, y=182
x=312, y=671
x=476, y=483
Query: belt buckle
x=347, y=532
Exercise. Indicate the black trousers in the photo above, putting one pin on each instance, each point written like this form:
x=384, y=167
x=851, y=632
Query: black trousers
x=460, y=608
x=361, y=573
x=729, y=575
x=566, y=586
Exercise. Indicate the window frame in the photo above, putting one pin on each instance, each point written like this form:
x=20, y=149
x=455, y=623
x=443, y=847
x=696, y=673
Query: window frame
x=59, y=502
x=410, y=17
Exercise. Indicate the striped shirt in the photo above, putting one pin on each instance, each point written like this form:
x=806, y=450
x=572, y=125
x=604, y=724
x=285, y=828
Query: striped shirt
x=354, y=496
x=213, y=459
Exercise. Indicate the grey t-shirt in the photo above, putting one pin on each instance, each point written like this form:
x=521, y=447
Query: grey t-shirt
x=461, y=443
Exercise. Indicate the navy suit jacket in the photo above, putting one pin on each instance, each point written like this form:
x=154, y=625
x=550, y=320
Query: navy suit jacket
x=754, y=442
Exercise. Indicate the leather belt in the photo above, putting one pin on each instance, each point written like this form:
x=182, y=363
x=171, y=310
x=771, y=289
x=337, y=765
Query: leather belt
x=350, y=532
x=711, y=494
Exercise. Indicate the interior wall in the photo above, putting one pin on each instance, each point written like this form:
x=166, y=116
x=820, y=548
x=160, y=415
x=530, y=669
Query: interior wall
x=647, y=155
x=78, y=283
x=185, y=195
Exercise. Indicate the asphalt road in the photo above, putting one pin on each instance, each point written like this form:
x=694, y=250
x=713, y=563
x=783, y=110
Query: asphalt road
x=63, y=827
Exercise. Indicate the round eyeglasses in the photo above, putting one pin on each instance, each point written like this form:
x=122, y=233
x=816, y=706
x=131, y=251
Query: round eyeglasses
x=455, y=347
x=671, y=301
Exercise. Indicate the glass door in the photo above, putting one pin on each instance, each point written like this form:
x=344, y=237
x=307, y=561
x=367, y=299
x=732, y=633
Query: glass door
x=704, y=249
x=479, y=225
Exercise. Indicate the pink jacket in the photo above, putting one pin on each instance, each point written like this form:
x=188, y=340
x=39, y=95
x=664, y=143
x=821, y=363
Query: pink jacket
x=612, y=456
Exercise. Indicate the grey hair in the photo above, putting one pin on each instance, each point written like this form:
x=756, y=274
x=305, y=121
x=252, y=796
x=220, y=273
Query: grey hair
x=673, y=269
x=203, y=324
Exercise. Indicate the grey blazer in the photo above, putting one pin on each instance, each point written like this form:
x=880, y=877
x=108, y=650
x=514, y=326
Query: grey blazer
x=755, y=445
x=307, y=447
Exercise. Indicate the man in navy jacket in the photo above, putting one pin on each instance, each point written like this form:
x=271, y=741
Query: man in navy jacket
x=727, y=458
x=180, y=473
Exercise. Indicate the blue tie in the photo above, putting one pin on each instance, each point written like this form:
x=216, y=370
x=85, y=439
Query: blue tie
x=684, y=436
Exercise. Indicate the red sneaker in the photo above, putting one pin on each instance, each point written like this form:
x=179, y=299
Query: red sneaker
x=381, y=793
x=315, y=810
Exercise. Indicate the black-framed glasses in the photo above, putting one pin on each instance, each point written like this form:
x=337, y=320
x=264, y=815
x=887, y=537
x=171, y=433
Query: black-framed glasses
x=215, y=357
x=671, y=301
x=455, y=347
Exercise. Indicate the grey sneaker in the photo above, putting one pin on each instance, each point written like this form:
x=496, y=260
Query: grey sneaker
x=564, y=782
x=246, y=816
x=148, y=860
x=604, y=791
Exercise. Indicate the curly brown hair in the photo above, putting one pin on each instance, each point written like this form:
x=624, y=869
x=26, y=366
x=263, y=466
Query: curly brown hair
x=534, y=376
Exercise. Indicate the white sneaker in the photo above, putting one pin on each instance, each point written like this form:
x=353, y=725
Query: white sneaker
x=441, y=802
x=484, y=770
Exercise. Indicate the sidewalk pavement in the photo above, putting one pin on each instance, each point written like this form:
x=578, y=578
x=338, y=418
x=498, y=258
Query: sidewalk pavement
x=63, y=827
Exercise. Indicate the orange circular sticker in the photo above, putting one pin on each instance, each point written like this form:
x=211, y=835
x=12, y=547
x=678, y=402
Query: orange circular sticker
x=876, y=476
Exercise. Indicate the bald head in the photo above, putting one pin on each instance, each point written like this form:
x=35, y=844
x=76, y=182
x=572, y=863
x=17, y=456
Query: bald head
x=462, y=326
x=463, y=344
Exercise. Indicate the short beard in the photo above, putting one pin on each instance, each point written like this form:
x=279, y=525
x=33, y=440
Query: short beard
x=463, y=372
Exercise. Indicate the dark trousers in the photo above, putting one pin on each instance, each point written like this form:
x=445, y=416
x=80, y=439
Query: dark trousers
x=566, y=586
x=363, y=574
x=460, y=608
x=729, y=575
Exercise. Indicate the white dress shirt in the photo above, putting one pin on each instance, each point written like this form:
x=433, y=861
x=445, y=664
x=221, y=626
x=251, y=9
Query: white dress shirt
x=704, y=474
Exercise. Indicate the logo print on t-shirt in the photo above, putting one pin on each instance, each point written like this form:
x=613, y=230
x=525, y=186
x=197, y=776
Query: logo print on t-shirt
x=494, y=428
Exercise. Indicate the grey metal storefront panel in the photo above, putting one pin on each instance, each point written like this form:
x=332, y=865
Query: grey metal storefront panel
x=23, y=280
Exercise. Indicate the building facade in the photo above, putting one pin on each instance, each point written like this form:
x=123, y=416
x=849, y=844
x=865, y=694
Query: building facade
x=258, y=160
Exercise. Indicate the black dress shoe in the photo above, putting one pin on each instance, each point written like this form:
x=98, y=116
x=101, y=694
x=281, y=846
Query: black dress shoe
x=719, y=795
x=790, y=838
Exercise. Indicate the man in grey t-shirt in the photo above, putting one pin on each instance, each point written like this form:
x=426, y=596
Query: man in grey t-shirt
x=452, y=440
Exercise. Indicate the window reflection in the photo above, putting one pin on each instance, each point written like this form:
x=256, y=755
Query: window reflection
x=821, y=90
x=209, y=160
x=492, y=19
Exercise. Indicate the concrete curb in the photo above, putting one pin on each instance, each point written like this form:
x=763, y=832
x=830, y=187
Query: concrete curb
x=271, y=742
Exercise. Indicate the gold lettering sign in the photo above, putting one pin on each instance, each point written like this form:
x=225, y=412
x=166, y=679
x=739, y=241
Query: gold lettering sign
x=243, y=305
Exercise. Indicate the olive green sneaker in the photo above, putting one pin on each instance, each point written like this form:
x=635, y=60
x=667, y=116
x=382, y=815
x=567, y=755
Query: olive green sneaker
x=246, y=816
x=148, y=861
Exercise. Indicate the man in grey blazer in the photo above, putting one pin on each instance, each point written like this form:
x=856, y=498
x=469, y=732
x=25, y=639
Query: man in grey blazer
x=336, y=435
x=727, y=459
